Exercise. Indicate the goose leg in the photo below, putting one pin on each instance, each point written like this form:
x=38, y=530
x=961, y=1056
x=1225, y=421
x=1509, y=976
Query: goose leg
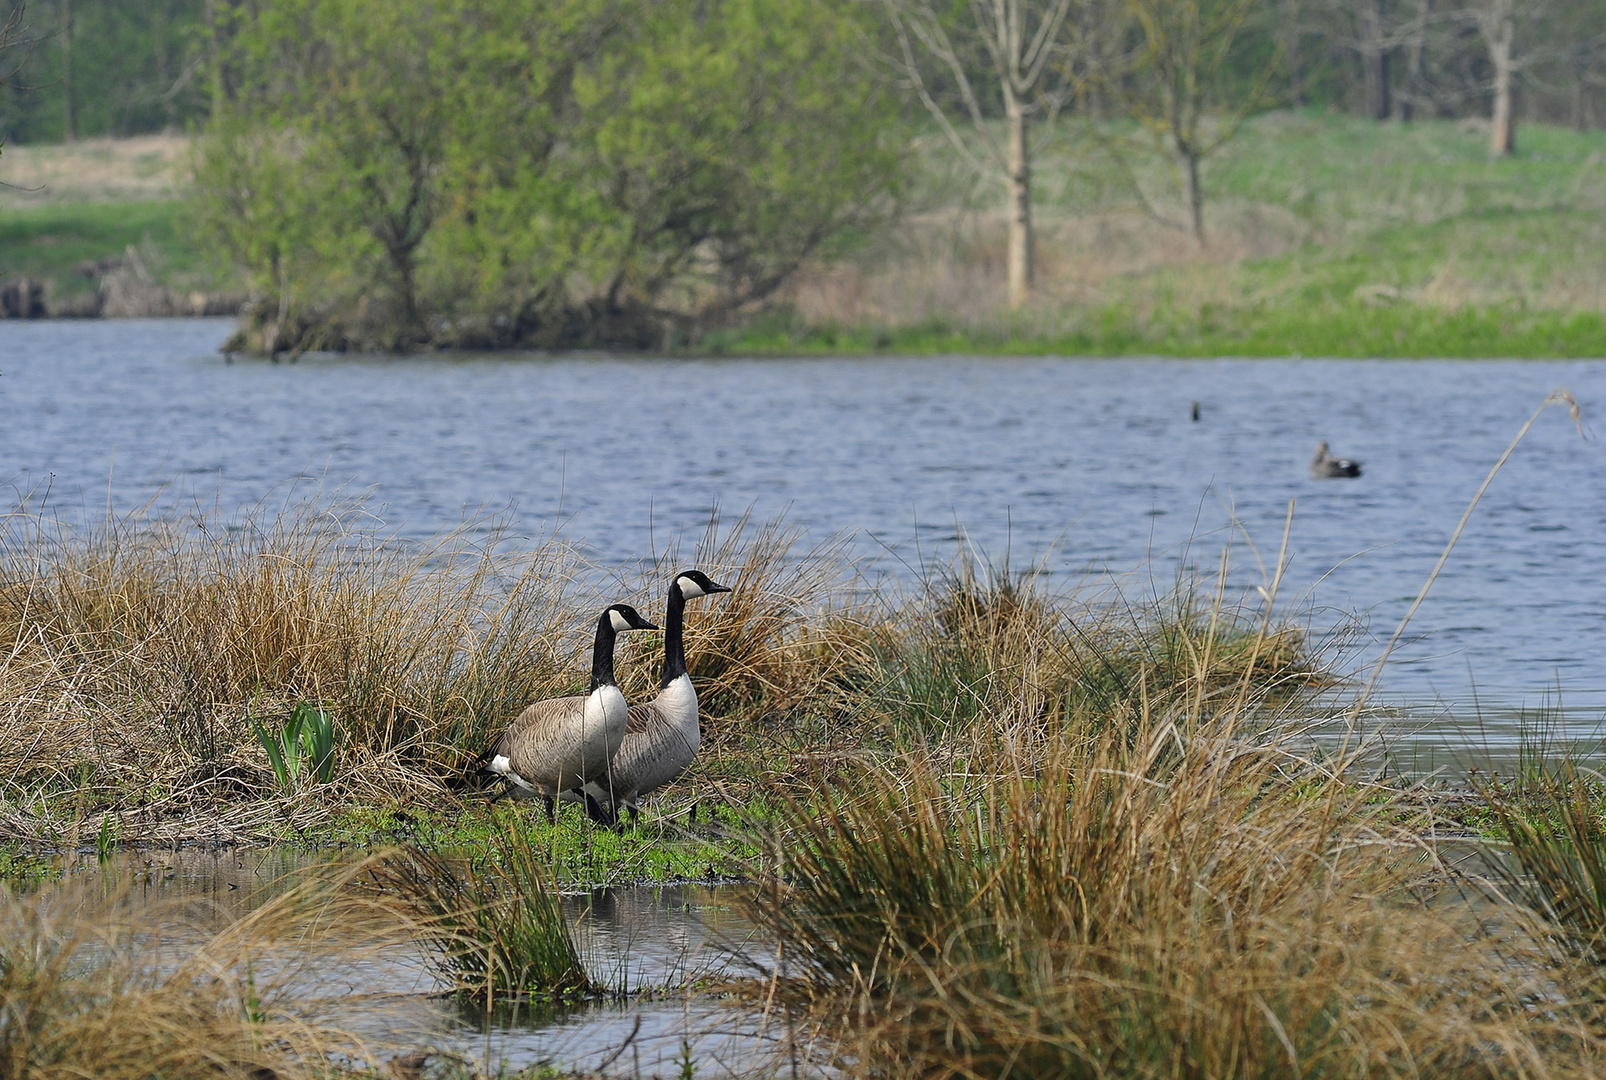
x=551, y=810
x=597, y=812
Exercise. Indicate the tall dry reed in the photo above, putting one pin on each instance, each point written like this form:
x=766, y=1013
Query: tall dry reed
x=95, y=983
x=1181, y=900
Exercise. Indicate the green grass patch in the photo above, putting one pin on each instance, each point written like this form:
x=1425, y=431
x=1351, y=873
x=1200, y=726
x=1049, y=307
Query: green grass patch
x=1349, y=329
x=666, y=848
x=53, y=242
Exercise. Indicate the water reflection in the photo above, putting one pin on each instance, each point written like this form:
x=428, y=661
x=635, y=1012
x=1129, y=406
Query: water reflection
x=653, y=948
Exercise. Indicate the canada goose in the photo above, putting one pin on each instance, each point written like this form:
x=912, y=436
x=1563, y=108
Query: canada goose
x=1325, y=467
x=663, y=735
x=556, y=745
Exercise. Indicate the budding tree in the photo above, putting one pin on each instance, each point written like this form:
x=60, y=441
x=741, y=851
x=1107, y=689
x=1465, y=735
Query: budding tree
x=1203, y=67
x=1016, y=42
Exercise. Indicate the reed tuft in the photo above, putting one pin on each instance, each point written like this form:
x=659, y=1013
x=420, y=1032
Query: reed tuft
x=1181, y=899
x=493, y=924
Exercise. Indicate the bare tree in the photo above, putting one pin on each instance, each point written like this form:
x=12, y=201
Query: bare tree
x=1498, y=22
x=1019, y=40
x=1191, y=90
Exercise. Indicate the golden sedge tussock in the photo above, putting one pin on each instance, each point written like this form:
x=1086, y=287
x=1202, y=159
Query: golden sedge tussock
x=1174, y=899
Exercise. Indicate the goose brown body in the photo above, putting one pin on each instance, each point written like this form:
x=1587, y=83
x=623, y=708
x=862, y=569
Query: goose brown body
x=662, y=736
x=560, y=744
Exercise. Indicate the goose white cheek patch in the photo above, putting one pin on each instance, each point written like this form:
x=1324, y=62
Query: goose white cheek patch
x=689, y=588
x=619, y=621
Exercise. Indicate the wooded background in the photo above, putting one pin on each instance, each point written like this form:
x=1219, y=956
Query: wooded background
x=393, y=173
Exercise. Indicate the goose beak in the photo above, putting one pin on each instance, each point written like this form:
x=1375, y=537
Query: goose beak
x=714, y=587
x=645, y=625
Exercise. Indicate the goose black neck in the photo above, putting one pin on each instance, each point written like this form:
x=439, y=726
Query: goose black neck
x=602, y=652
x=674, y=637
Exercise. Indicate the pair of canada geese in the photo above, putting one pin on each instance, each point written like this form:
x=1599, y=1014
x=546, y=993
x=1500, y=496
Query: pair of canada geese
x=596, y=748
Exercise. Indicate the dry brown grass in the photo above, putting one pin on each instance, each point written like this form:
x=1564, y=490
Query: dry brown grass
x=947, y=267
x=95, y=170
x=95, y=982
x=136, y=654
x=1186, y=902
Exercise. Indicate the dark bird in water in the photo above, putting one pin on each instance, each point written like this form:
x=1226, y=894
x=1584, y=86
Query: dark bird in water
x=1195, y=410
x=1324, y=466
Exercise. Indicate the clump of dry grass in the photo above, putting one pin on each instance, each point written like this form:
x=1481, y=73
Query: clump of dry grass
x=494, y=925
x=983, y=645
x=136, y=654
x=94, y=983
x=776, y=639
x=1179, y=900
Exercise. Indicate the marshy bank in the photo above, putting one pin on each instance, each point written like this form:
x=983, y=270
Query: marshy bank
x=1015, y=879
x=986, y=827
x=153, y=661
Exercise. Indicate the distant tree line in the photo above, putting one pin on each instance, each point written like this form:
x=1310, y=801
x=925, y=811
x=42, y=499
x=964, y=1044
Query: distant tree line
x=125, y=67
x=403, y=172
x=108, y=67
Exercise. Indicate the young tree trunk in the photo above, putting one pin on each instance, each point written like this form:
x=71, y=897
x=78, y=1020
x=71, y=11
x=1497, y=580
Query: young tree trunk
x=1193, y=194
x=1503, y=121
x=213, y=56
x=1296, y=66
x=1413, y=76
x=1020, y=203
x=158, y=18
x=1374, y=60
x=68, y=128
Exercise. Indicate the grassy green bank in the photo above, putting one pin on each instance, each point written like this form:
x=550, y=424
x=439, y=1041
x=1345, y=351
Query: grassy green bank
x=73, y=245
x=1399, y=330
x=1327, y=236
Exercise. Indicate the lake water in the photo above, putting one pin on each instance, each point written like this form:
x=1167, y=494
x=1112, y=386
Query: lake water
x=651, y=942
x=1093, y=465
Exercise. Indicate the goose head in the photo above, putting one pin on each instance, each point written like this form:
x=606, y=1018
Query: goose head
x=695, y=583
x=1322, y=453
x=623, y=617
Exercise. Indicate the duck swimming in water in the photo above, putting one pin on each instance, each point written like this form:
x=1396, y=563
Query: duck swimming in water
x=1324, y=466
